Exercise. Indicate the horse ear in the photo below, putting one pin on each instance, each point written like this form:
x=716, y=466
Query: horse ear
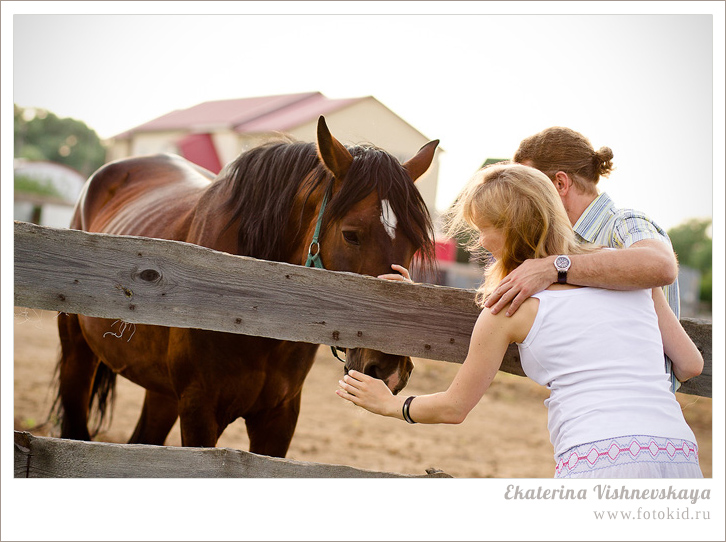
x=332, y=153
x=418, y=165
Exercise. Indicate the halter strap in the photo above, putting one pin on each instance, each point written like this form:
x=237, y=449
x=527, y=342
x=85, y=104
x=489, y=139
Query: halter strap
x=314, y=259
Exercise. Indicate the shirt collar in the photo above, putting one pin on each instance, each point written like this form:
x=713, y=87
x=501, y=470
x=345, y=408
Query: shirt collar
x=594, y=218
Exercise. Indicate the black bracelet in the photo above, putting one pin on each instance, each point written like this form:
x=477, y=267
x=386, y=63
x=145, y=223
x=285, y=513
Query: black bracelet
x=406, y=406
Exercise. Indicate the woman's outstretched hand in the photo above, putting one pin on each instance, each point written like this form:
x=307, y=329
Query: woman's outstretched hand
x=367, y=392
x=402, y=274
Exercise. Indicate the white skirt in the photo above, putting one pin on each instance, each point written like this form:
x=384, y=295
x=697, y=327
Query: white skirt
x=635, y=456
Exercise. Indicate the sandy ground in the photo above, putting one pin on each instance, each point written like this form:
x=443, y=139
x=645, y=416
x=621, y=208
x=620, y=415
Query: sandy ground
x=505, y=436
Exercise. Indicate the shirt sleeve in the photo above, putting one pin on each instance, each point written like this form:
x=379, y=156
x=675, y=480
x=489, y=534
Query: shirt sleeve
x=631, y=227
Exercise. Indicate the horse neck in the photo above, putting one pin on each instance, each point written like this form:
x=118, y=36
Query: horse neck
x=276, y=224
x=211, y=215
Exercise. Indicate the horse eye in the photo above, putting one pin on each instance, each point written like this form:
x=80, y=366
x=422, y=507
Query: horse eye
x=351, y=237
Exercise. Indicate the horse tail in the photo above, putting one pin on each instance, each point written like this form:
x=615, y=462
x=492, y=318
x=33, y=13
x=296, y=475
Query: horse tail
x=103, y=393
x=101, y=400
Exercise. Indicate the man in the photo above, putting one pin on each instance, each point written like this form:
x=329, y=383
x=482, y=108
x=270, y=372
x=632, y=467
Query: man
x=575, y=168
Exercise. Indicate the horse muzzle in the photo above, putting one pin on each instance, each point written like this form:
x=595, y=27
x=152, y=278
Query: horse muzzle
x=393, y=370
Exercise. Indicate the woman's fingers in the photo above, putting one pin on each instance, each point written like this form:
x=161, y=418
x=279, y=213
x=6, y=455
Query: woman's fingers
x=347, y=396
x=354, y=380
x=346, y=387
x=402, y=275
x=349, y=384
x=393, y=276
x=401, y=269
x=352, y=385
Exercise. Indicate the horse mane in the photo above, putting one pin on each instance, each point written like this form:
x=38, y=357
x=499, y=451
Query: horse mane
x=262, y=184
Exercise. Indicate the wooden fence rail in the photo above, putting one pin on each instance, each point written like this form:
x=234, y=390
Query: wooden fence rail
x=45, y=457
x=149, y=281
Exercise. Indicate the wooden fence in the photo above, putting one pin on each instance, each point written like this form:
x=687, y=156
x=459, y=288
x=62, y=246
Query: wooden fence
x=149, y=281
x=45, y=457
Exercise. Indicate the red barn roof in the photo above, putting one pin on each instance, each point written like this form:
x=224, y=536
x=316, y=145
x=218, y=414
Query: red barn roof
x=260, y=114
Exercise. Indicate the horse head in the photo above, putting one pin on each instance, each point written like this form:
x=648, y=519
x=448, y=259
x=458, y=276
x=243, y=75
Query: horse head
x=375, y=218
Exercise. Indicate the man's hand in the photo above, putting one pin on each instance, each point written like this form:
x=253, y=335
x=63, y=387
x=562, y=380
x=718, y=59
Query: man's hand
x=531, y=277
x=646, y=264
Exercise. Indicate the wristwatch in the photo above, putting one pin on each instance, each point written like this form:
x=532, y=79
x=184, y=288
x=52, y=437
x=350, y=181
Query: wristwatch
x=562, y=264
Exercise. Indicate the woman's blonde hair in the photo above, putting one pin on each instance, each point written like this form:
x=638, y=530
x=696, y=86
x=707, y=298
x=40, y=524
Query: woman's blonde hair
x=523, y=203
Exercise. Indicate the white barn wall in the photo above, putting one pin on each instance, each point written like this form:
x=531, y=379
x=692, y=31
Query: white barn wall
x=155, y=142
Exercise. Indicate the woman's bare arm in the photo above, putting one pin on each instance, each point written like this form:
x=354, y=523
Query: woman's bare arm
x=678, y=346
x=490, y=339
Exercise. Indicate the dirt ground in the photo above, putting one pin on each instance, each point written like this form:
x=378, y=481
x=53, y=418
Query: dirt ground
x=505, y=436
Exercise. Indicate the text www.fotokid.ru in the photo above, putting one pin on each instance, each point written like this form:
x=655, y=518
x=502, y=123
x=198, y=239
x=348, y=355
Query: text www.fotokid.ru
x=646, y=514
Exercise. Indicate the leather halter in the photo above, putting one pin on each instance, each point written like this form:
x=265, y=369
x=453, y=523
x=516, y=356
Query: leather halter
x=314, y=260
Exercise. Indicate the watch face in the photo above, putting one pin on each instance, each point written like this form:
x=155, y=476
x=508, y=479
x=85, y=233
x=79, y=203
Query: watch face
x=562, y=262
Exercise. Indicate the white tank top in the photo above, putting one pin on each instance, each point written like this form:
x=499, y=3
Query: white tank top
x=600, y=354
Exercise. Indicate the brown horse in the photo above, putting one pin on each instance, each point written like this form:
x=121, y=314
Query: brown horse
x=265, y=204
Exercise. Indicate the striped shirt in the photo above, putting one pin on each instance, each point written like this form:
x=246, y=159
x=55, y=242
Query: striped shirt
x=605, y=225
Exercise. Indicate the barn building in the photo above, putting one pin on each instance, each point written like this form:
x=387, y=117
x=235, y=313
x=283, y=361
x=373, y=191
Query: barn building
x=212, y=134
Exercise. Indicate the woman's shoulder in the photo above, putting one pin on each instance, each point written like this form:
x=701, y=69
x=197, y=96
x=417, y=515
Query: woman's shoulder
x=516, y=327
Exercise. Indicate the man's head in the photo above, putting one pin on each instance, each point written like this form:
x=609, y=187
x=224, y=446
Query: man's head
x=562, y=150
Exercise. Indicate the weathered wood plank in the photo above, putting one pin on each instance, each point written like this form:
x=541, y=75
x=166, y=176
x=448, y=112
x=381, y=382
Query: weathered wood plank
x=44, y=457
x=140, y=280
x=700, y=332
x=150, y=281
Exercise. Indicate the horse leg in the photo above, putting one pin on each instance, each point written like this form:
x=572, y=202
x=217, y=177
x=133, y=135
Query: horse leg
x=197, y=420
x=76, y=369
x=270, y=432
x=158, y=416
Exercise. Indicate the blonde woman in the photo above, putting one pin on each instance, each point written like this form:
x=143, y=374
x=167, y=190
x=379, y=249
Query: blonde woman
x=599, y=352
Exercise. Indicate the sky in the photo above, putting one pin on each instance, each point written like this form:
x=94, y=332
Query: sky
x=639, y=84
x=643, y=78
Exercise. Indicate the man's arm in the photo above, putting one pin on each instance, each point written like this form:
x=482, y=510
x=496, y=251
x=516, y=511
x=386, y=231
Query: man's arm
x=646, y=264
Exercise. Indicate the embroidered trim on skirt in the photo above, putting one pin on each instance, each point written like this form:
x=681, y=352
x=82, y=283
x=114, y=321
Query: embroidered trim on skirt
x=635, y=456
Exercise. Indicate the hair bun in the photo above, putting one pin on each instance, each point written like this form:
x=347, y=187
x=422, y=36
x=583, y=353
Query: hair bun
x=603, y=159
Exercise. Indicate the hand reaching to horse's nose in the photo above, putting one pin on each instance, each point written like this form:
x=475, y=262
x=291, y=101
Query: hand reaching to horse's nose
x=402, y=274
x=367, y=392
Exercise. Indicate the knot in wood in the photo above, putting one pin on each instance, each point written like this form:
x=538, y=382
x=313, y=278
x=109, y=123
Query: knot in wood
x=149, y=275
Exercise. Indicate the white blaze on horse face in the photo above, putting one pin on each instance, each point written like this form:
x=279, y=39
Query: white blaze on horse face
x=388, y=218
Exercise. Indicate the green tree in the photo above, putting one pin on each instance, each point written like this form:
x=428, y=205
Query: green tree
x=41, y=135
x=693, y=244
